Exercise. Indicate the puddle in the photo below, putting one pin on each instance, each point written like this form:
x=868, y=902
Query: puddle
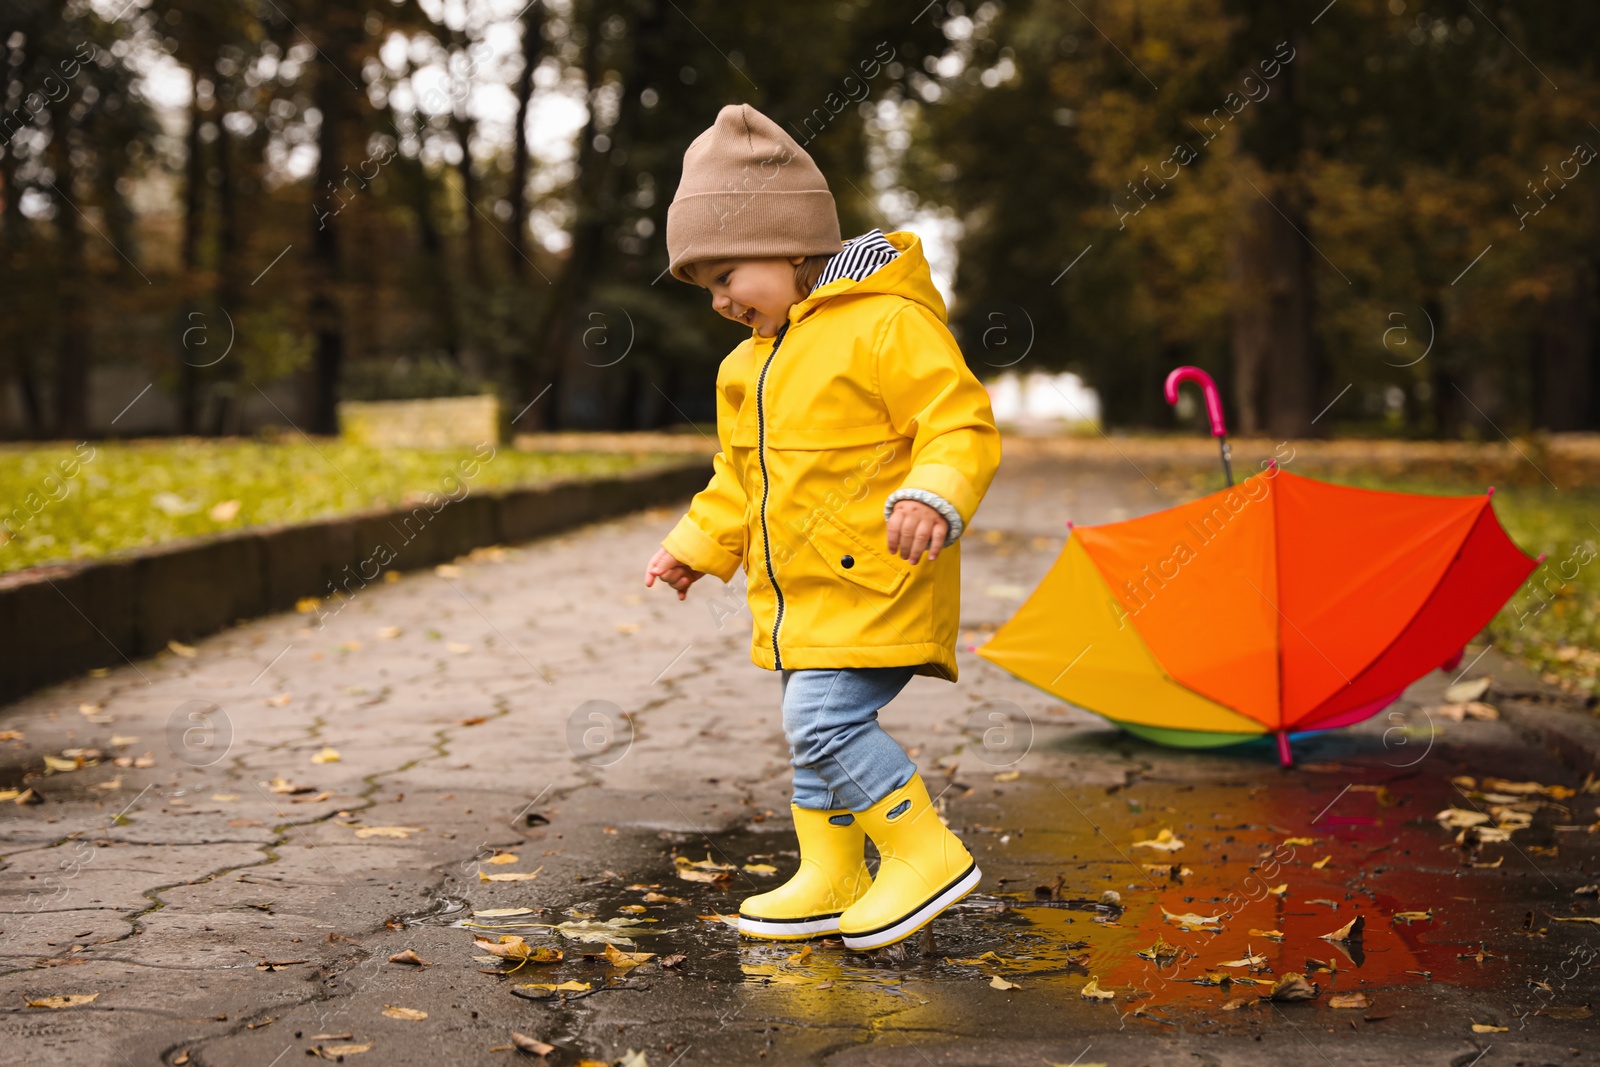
x=1440, y=923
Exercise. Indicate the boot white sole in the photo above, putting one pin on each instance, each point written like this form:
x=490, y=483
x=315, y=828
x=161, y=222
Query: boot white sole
x=778, y=930
x=924, y=915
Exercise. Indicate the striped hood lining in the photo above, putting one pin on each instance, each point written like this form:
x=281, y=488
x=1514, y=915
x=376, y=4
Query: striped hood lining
x=859, y=257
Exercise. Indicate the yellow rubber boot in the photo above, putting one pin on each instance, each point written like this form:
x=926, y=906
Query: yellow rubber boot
x=924, y=869
x=832, y=875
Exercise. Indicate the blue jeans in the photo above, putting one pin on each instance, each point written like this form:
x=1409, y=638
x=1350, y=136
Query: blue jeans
x=842, y=758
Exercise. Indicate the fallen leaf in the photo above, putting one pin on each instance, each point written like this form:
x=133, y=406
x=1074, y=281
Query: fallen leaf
x=1409, y=917
x=662, y=898
x=307, y=604
x=327, y=755
x=71, y=1000
x=1292, y=987
x=1165, y=841
x=690, y=874
x=1239, y=1002
x=408, y=956
x=718, y=917
x=10, y=735
x=1275, y=935
x=119, y=740
x=365, y=832
x=627, y=627
x=337, y=1052
x=524, y=1043
x=1192, y=919
x=997, y=982
x=1576, y=918
x=1457, y=818
x=280, y=701
x=226, y=511
x=1485, y=1028
x=56, y=764
x=1472, y=689
x=411, y=1014
x=634, y=909
x=977, y=961
x=511, y=876
x=1279, y=890
x=1323, y=862
x=1350, y=931
x=675, y=960
x=458, y=647
x=1349, y=1000
x=498, y=913
x=633, y=1059
x=1008, y=776
x=573, y=986
x=389, y=633
x=1299, y=840
x=1247, y=961
x=611, y=931
x=1160, y=950
x=1091, y=990
x=181, y=649
x=618, y=958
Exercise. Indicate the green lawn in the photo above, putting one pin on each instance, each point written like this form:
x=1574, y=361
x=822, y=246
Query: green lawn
x=61, y=502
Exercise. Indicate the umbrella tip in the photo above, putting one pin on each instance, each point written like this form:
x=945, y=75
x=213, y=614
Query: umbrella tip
x=1069, y=524
x=1491, y=490
x=1273, y=462
x=1540, y=559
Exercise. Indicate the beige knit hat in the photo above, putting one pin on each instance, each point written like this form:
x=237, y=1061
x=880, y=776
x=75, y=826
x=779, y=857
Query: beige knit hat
x=748, y=189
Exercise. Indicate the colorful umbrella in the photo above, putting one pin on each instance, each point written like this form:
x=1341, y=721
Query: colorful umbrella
x=1279, y=604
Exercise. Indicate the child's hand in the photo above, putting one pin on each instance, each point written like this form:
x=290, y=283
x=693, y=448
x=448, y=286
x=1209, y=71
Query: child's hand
x=678, y=575
x=914, y=526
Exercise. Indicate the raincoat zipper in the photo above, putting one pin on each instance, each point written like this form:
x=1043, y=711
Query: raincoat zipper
x=766, y=485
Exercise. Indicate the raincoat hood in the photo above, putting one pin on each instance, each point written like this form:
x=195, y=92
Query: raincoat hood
x=907, y=275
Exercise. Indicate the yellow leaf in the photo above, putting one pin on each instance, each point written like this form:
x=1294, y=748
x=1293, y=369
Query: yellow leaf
x=1414, y=916
x=573, y=986
x=279, y=701
x=511, y=876
x=726, y=920
x=71, y=1000
x=1247, y=961
x=226, y=511
x=327, y=755
x=618, y=958
x=10, y=735
x=1349, y=1000
x=225, y=798
x=1485, y=1028
x=1192, y=919
x=1299, y=840
x=365, y=832
x=497, y=913
x=524, y=1043
x=411, y=1014
x=1350, y=931
x=181, y=649
x=307, y=604
x=1000, y=983
x=761, y=868
x=502, y=858
x=1292, y=987
x=9, y=794
x=458, y=647
x=1166, y=841
x=1008, y=776
x=1459, y=818
x=389, y=633
x=56, y=763
x=1323, y=862
x=1092, y=991
x=1276, y=935
x=634, y=909
x=335, y=1051
x=1279, y=890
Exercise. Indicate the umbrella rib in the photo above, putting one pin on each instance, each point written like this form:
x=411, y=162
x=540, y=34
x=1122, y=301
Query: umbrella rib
x=1297, y=630
x=1102, y=833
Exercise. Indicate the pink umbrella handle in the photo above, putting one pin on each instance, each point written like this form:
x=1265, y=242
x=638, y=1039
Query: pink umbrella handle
x=1208, y=387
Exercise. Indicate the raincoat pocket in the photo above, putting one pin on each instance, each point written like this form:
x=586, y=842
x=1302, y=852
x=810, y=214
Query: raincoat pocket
x=854, y=560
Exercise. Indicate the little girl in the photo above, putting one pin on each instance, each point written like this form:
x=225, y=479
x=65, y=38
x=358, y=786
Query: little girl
x=854, y=439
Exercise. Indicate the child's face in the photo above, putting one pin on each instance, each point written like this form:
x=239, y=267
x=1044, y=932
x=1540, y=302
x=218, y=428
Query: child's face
x=753, y=292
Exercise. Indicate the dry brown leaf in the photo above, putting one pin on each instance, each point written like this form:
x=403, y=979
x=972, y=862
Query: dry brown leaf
x=1459, y=818
x=1409, y=917
x=1471, y=689
x=1485, y=1028
x=411, y=1014
x=1192, y=919
x=761, y=868
x=1008, y=776
x=408, y=956
x=365, y=832
x=71, y=1000
x=1349, y=1000
x=1291, y=987
x=573, y=986
x=10, y=735
x=1275, y=935
x=512, y=947
x=996, y=982
x=327, y=755
x=524, y=1043
x=389, y=633
x=717, y=917
x=1350, y=931
x=1247, y=961
x=181, y=649
x=280, y=701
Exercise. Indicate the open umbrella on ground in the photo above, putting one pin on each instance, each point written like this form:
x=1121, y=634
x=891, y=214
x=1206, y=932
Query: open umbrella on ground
x=1276, y=605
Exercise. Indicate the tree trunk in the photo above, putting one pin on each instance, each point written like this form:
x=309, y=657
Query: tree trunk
x=226, y=295
x=17, y=339
x=1275, y=352
x=194, y=171
x=72, y=355
x=327, y=323
x=532, y=44
x=1564, y=356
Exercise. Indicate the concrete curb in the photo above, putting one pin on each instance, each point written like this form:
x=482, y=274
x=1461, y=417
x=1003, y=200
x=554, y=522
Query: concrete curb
x=1544, y=714
x=59, y=620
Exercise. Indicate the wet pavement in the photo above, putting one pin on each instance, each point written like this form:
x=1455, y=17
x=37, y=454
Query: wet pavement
x=297, y=805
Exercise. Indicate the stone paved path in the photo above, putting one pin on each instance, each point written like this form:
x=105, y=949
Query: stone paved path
x=305, y=796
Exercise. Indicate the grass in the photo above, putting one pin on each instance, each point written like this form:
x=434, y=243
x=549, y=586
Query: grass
x=62, y=502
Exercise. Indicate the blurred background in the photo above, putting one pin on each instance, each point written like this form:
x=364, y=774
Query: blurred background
x=259, y=208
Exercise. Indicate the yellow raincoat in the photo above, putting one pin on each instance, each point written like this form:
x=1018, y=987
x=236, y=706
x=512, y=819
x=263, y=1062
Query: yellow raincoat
x=862, y=393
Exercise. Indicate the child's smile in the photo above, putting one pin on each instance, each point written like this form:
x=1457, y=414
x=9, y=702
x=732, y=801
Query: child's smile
x=753, y=292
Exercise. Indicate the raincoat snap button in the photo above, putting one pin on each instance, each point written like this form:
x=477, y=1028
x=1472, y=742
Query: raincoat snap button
x=847, y=562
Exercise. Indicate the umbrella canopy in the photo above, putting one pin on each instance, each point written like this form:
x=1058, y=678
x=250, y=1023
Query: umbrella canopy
x=1281, y=603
